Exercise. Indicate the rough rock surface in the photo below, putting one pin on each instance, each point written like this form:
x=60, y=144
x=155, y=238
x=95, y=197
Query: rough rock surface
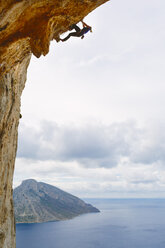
x=40, y=202
x=26, y=27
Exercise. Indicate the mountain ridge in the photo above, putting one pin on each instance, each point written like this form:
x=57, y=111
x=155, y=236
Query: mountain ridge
x=37, y=202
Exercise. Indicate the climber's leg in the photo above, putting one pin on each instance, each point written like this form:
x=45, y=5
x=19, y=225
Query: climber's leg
x=74, y=34
x=74, y=26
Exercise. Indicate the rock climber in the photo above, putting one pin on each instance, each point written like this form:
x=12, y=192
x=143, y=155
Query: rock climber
x=79, y=32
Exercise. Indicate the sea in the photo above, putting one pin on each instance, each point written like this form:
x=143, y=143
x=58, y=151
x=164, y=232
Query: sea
x=122, y=223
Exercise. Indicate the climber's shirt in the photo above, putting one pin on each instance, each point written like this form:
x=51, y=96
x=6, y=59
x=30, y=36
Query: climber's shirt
x=85, y=30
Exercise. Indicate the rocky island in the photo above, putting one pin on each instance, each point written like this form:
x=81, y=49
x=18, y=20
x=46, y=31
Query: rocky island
x=40, y=202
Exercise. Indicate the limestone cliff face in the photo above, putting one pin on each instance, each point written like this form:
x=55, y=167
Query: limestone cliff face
x=11, y=86
x=26, y=27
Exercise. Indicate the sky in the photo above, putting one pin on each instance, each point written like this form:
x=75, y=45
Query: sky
x=93, y=109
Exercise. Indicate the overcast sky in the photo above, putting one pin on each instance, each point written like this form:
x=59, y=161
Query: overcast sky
x=93, y=109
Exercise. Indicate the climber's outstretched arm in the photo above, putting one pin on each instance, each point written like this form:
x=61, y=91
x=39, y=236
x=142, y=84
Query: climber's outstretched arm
x=85, y=25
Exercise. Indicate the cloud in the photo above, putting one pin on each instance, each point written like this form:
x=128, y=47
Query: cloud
x=150, y=148
x=117, y=160
x=93, y=145
x=124, y=180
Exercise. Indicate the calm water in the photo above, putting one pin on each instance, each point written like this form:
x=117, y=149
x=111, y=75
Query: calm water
x=121, y=224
